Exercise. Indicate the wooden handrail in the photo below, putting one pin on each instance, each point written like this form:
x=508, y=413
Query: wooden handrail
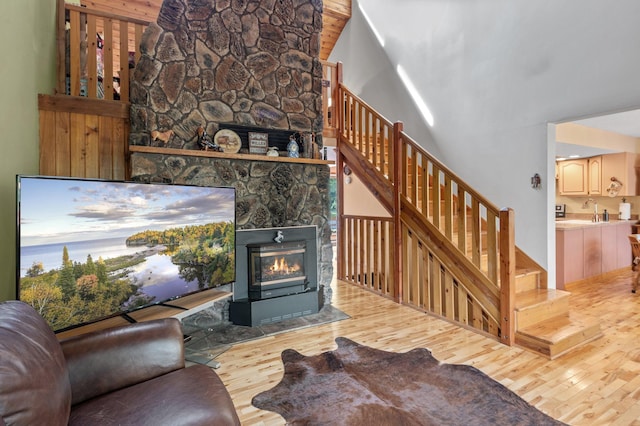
x=107, y=15
x=369, y=132
x=428, y=185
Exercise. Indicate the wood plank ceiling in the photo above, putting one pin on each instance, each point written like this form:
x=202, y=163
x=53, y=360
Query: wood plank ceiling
x=336, y=14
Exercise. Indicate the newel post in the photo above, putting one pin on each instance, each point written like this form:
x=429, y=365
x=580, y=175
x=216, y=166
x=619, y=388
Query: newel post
x=338, y=100
x=507, y=276
x=340, y=237
x=397, y=222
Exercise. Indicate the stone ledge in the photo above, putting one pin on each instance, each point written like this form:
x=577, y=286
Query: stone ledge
x=213, y=154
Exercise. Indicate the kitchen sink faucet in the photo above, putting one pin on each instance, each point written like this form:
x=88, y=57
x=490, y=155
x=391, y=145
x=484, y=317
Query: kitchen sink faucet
x=595, y=217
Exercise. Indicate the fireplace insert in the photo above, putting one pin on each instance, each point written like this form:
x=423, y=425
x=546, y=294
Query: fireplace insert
x=277, y=269
x=276, y=275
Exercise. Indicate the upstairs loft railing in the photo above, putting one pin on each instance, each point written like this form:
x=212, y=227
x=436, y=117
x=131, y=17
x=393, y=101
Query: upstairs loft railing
x=96, y=52
x=446, y=248
x=100, y=67
x=84, y=126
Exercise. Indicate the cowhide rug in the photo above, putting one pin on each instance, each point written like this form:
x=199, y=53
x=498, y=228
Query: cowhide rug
x=358, y=385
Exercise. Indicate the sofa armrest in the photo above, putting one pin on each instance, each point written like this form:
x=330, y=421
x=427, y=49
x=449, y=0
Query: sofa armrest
x=107, y=360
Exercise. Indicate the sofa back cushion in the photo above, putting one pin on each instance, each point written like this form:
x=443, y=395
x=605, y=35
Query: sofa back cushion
x=34, y=383
x=107, y=360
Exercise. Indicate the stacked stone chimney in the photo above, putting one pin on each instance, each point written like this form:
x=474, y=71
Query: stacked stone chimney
x=214, y=63
x=207, y=62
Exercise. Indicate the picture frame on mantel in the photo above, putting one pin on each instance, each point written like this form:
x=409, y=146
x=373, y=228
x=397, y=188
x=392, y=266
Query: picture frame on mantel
x=258, y=142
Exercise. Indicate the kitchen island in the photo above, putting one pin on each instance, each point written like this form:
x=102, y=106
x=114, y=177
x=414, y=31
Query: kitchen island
x=586, y=249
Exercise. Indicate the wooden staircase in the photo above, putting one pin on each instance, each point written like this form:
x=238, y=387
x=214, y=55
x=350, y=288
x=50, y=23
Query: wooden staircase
x=451, y=266
x=544, y=322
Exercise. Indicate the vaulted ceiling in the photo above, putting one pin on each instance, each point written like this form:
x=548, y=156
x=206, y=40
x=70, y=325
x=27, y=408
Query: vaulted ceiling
x=336, y=13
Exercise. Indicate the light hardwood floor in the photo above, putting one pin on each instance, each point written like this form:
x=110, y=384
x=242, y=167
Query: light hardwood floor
x=597, y=384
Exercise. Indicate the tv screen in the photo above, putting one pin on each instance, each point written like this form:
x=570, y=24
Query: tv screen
x=91, y=249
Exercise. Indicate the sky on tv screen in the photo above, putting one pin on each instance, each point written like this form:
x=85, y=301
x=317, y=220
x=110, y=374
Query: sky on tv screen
x=55, y=211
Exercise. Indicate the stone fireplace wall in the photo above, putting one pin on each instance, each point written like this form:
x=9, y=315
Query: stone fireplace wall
x=210, y=63
x=206, y=62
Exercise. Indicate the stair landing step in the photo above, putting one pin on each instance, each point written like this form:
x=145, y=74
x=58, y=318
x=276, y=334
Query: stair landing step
x=533, y=298
x=558, y=335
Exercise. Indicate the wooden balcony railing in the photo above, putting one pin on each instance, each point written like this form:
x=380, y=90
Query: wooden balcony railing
x=96, y=52
x=452, y=251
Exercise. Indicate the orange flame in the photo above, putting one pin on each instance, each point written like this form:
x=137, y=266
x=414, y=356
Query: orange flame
x=281, y=265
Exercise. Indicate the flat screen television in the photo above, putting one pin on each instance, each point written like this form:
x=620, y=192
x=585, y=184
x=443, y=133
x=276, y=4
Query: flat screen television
x=92, y=249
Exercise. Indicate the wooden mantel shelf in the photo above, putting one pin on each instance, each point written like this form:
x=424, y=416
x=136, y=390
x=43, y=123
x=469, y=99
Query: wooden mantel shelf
x=213, y=154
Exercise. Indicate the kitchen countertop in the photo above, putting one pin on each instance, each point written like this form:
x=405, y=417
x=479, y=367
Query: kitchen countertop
x=562, y=224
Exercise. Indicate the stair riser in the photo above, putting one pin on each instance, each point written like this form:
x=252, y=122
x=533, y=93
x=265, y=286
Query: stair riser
x=527, y=282
x=554, y=350
x=535, y=314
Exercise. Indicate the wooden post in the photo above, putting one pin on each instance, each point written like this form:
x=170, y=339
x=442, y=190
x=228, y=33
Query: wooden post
x=339, y=124
x=507, y=277
x=397, y=223
x=338, y=101
x=61, y=47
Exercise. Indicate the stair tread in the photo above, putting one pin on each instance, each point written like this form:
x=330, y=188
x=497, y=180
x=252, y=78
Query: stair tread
x=554, y=330
x=531, y=298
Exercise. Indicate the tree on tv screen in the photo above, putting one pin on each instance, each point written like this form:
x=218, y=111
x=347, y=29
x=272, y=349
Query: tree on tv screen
x=80, y=292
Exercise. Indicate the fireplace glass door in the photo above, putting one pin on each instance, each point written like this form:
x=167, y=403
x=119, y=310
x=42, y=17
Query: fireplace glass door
x=276, y=269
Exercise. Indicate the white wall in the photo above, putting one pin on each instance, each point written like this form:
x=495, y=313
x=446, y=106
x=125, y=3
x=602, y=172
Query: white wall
x=494, y=73
x=359, y=201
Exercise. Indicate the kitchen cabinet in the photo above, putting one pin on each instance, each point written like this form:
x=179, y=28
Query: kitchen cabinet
x=584, y=251
x=573, y=177
x=623, y=166
x=569, y=256
x=609, y=244
x=592, y=176
x=592, y=251
x=623, y=248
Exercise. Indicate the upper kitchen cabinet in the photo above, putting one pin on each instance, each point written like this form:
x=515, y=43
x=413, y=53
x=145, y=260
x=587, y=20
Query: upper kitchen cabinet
x=592, y=176
x=582, y=176
x=623, y=167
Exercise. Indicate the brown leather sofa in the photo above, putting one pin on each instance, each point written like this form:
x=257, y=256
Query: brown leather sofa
x=131, y=375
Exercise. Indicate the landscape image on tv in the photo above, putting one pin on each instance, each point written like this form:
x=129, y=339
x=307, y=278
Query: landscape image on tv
x=90, y=249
